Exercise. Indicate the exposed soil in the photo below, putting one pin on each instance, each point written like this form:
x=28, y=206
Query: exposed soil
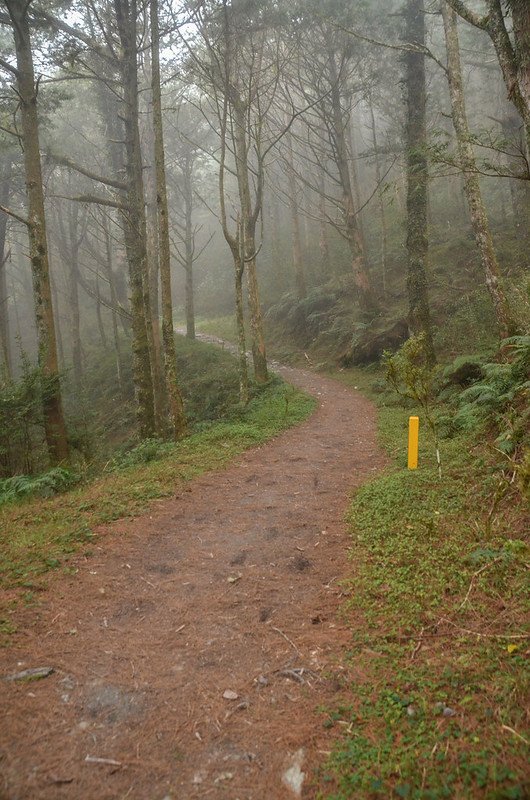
x=234, y=584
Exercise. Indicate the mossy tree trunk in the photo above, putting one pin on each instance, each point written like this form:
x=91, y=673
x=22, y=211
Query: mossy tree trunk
x=176, y=406
x=134, y=220
x=73, y=294
x=109, y=274
x=54, y=423
x=417, y=241
x=479, y=219
x=249, y=215
x=6, y=173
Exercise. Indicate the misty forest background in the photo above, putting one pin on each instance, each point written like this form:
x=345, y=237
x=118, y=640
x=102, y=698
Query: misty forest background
x=338, y=184
x=319, y=177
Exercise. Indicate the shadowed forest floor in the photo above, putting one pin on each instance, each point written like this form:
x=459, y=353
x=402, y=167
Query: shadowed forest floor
x=192, y=649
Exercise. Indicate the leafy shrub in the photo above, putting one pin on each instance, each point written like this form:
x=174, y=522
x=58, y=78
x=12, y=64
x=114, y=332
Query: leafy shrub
x=144, y=452
x=410, y=375
x=22, y=447
x=47, y=484
x=209, y=380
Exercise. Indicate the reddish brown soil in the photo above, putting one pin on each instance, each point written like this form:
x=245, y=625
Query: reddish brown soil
x=228, y=586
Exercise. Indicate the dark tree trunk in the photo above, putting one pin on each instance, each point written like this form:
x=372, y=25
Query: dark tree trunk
x=5, y=338
x=113, y=298
x=73, y=295
x=298, y=264
x=135, y=224
x=417, y=178
x=54, y=424
x=99, y=317
x=187, y=192
x=176, y=406
x=248, y=227
x=323, y=230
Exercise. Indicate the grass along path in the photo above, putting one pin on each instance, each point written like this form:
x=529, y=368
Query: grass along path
x=39, y=534
x=439, y=578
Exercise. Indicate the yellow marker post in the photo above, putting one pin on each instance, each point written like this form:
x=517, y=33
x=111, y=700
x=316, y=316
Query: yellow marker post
x=414, y=437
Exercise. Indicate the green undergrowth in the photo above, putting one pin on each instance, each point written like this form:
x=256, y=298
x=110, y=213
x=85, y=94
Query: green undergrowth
x=223, y=327
x=437, y=606
x=37, y=535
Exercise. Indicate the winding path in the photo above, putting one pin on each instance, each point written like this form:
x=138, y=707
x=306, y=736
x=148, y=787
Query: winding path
x=231, y=588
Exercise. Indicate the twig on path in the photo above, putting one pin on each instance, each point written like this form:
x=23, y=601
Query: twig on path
x=418, y=646
x=287, y=639
x=487, y=635
x=296, y=674
x=96, y=760
x=48, y=732
x=511, y=730
x=475, y=575
x=240, y=707
x=148, y=582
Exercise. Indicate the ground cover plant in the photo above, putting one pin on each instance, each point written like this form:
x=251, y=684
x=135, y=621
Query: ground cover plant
x=439, y=605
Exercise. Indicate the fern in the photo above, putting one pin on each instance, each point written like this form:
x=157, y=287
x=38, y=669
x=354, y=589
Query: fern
x=500, y=399
x=47, y=484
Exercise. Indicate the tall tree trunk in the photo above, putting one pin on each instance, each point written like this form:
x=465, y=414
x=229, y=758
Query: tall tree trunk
x=147, y=136
x=73, y=295
x=248, y=223
x=479, y=219
x=99, y=317
x=298, y=265
x=61, y=360
x=521, y=30
x=113, y=298
x=5, y=338
x=380, y=196
x=519, y=189
x=514, y=59
x=114, y=140
x=54, y=424
x=417, y=241
x=176, y=406
x=513, y=51
x=187, y=191
x=236, y=248
x=239, y=268
x=361, y=276
x=354, y=177
x=135, y=224
x=323, y=241
x=278, y=270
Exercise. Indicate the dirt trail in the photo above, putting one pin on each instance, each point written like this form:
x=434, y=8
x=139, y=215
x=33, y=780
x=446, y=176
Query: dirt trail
x=232, y=585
